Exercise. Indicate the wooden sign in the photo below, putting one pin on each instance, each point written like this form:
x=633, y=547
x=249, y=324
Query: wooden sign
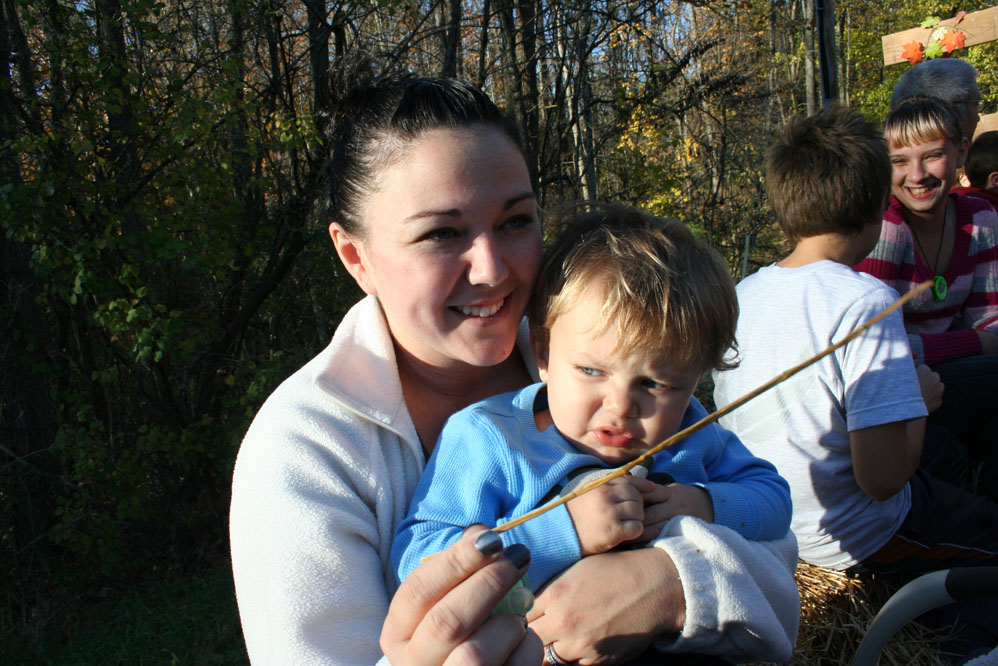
x=987, y=123
x=978, y=27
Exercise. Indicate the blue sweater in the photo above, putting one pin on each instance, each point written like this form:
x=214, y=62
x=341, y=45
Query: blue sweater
x=491, y=465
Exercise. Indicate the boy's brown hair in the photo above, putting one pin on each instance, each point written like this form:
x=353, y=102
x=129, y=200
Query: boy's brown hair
x=982, y=160
x=659, y=285
x=828, y=173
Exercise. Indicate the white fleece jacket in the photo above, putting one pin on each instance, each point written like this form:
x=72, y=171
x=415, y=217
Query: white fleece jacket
x=325, y=474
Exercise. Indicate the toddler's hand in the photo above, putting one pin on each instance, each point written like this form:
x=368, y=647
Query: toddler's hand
x=607, y=516
x=675, y=499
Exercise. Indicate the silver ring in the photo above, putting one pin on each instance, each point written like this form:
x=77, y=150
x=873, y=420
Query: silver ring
x=553, y=657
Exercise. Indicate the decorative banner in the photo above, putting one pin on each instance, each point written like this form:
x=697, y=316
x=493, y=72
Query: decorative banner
x=938, y=39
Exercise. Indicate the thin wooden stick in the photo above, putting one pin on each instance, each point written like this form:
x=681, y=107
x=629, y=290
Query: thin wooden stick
x=711, y=418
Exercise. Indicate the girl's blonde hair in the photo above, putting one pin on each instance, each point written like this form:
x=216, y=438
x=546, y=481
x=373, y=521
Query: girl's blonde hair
x=920, y=120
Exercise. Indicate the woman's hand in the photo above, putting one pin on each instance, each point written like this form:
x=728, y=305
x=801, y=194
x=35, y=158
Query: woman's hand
x=440, y=613
x=640, y=598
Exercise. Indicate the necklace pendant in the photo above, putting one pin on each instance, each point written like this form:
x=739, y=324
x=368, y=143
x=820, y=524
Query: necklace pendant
x=939, y=288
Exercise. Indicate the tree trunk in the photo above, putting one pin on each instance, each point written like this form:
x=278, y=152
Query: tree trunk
x=451, y=38
x=809, y=43
x=318, y=55
x=124, y=156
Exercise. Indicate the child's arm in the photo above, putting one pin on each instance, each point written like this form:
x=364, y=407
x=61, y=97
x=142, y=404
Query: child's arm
x=745, y=492
x=884, y=457
x=609, y=515
x=472, y=477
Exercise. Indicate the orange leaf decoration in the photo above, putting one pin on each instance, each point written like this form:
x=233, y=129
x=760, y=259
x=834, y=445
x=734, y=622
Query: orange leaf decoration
x=953, y=40
x=912, y=52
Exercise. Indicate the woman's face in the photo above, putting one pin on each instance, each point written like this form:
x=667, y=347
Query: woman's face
x=923, y=174
x=451, y=246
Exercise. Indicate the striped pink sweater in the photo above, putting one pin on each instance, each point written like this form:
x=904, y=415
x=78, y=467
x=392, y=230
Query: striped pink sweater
x=943, y=330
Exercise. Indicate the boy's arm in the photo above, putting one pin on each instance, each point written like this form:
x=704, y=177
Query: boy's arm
x=884, y=457
x=883, y=384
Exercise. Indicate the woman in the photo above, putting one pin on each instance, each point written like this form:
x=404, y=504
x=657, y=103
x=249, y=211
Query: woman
x=434, y=217
x=929, y=233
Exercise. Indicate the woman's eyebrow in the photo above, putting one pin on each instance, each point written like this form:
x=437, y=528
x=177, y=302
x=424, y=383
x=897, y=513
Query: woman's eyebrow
x=452, y=212
x=456, y=212
x=512, y=201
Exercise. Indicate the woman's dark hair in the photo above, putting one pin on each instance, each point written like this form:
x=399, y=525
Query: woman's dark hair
x=375, y=123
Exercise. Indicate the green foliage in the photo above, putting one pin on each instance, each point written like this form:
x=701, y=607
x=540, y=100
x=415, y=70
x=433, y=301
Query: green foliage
x=191, y=621
x=153, y=200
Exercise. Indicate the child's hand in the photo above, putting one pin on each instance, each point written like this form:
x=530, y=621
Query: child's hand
x=989, y=342
x=931, y=387
x=607, y=516
x=674, y=499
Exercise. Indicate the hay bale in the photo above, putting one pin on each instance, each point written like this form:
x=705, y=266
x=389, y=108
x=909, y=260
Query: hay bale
x=836, y=610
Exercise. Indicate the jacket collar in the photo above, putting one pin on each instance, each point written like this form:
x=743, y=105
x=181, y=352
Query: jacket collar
x=362, y=375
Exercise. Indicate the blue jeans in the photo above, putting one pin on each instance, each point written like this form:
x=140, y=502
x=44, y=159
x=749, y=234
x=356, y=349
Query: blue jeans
x=970, y=412
x=970, y=401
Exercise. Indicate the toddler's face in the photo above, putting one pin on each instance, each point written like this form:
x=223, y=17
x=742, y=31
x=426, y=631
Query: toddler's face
x=608, y=406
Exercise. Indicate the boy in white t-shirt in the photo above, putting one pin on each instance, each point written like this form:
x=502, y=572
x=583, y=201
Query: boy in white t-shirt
x=847, y=433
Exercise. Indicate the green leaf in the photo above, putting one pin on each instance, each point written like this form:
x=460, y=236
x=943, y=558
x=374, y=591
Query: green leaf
x=930, y=22
x=933, y=50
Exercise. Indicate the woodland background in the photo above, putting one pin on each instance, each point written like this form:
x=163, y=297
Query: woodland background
x=164, y=264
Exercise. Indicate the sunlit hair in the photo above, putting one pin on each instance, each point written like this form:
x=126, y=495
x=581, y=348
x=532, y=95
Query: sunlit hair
x=660, y=287
x=828, y=173
x=377, y=122
x=919, y=120
x=982, y=160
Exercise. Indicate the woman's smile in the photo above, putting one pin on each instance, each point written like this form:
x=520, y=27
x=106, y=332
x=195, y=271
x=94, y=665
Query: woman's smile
x=455, y=246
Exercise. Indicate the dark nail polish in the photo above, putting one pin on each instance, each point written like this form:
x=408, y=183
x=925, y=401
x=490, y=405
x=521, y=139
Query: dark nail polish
x=518, y=554
x=488, y=543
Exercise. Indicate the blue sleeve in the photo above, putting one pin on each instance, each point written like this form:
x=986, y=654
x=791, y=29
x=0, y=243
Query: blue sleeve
x=473, y=476
x=748, y=494
x=459, y=487
x=553, y=543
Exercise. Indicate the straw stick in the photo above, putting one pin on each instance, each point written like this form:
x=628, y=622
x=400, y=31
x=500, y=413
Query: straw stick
x=711, y=418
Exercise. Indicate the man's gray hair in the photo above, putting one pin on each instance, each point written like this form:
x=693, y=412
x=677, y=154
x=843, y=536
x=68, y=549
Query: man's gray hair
x=950, y=79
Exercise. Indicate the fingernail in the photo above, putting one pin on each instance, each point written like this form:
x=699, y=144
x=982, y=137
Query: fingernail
x=488, y=543
x=518, y=554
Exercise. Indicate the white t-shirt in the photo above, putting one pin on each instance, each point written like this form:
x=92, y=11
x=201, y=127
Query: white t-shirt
x=802, y=425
